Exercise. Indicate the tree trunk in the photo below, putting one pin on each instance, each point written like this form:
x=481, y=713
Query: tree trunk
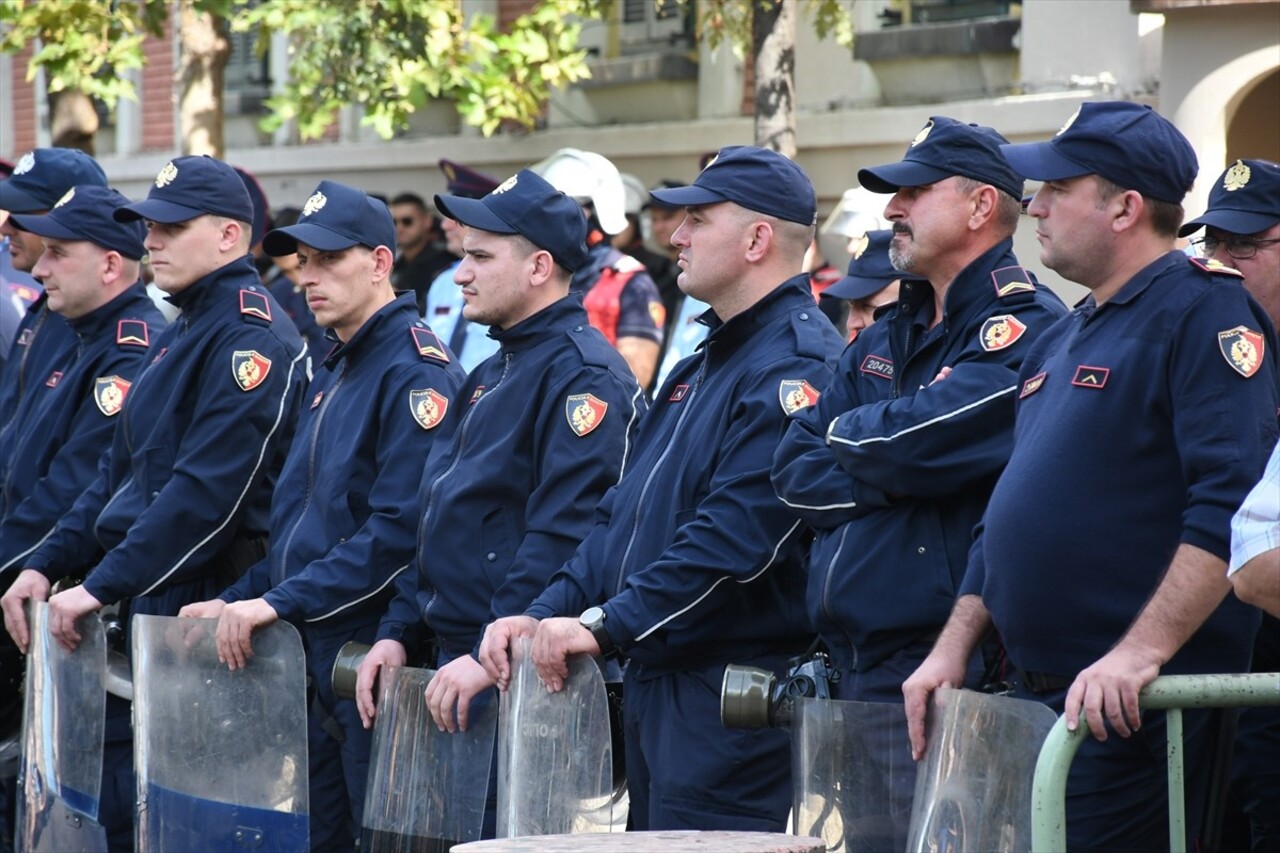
x=75, y=121
x=203, y=53
x=773, y=41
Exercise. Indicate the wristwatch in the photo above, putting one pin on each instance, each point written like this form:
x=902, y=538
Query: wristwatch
x=593, y=620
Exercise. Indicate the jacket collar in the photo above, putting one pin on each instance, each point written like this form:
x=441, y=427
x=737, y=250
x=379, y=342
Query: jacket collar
x=377, y=328
x=103, y=318
x=201, y=293
x=564, y=313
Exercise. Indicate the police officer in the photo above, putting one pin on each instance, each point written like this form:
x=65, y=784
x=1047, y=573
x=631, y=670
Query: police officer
x=1143, y=419
x=871, y=284
x=89, y=267
x=43, y=341
x=179, y=506
x=694, y=562
x=341, y=514
x=894, y=465
x=513, y=481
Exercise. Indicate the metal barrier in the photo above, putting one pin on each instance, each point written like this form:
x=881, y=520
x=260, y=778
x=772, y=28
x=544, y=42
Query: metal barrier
x=1170, y=692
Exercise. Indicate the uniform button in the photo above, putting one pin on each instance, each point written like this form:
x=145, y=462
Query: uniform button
x=804, y=315
x=577, y=328
x=920, y=550
x=155, y=495
x=491, y=556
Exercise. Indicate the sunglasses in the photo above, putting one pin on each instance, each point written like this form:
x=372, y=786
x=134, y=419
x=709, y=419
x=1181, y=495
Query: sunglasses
x=405, y=221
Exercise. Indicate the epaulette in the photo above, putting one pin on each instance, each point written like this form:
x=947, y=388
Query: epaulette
x=594, y=350
x=1010, y=281
x=809, y=342
x=255, y=304
x=133, y=333
x=626, y=263
x=1213, y=265
x=428, y=345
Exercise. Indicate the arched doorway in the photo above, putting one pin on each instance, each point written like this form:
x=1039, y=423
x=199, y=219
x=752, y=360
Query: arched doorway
x=1253, y=122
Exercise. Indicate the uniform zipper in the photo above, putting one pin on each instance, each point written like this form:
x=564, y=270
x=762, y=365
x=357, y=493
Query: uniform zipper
x=311, y=460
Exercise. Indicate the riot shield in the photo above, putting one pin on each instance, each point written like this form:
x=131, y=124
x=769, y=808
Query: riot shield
x=427, y=788
x=973, y=791
x=64, y=715
x=853, y=774
x=555, y=754
x=221, y=756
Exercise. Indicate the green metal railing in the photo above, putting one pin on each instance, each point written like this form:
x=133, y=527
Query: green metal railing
x=1170, y=692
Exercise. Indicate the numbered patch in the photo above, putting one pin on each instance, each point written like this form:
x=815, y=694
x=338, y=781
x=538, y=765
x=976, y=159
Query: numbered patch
x=1032, y=385
x=877, y=365
x=584, y=413
x=1243, y=349
x=796, y=394
x=428, y=407
x=250, y=368
x=1000, y=332
x=109, y=393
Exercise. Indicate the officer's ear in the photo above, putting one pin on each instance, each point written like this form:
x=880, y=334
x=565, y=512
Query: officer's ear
x=383, y=261
x=112, y=266
x=1127, y=209
x=983, y=202
x=760, y=237
x=543, y=268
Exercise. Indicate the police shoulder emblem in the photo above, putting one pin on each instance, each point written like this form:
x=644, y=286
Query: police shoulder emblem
x=250, y=368
x=1215, y=266
x=66, y=197
x=1236, y=177
x=584, y=412
x=1011, y=280
x=923, y=134
x=657, y=313
x=428, y=407
x=255, y=304
x=796, y=394
x=315, y=203
x=1000, y=332
x=133, y=333
x=1243, y=349
x=109, y=393
x=427, y=344
x=25, y=164
x=505, y=185
x=167, y=175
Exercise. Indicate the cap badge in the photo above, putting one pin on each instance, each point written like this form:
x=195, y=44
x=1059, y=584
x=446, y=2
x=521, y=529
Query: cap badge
x=428, y=407
x=923, y=134
x=26, y=164
x=167, y=175
x=1242, y=347
x=66, y=197
x=1237, y=176
x=1068, y=123
x=712, y=161
x=449, y=172
x=858, y=246
x=314, y=204
x=505, y=185
x=584, y=412
x=109, y=393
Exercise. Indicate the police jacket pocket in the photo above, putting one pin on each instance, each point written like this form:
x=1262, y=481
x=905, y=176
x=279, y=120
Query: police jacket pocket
x=154, y=469
x=499, y=540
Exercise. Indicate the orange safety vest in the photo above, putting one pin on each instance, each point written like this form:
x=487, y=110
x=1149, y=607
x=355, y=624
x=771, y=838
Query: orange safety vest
x=604, y=300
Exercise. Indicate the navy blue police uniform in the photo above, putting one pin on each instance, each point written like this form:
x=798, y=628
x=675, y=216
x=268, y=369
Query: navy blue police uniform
x=57, y=449
x=179, y=506
x=341, y=513
x=1175, y=376
x=694, y=560
x=43, y=342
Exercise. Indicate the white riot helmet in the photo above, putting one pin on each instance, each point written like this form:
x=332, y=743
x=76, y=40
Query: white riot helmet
x=859, y=211
x=587, y=176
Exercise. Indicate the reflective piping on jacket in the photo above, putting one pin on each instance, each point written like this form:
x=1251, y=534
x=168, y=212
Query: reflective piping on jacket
x=939, y=419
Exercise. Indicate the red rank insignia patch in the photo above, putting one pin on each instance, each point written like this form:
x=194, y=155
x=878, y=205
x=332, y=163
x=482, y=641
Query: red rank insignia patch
x=796, y=394
x=133, y=332
x=255, y=304
x=1243, y=349
x=678, y=393
x=250, y=368
x=1091, y=377
x=109, y=393
x=54, y=379
x=1011, y=280
x=428, y=407
x=1032, y=385
x=584, y=412
x=1000, y=332
x=1215, y=265
x=877, y=365
x=428, y=344
x=24, y=339
x=315, y=401
x=476, y=395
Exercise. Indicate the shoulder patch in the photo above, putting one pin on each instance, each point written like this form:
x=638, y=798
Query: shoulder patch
x=1032, y=385
x=250, y=368
x=658, y=314
x=1011, y=280
x=1212, y=265
x=877, y=365
x=133, y=333
x=428, y=407
x=427, y=344
x=1243, y=349
x=584, y=412
x=1000, y=332
x=796, y=394
x=255, y=304
x=109, y=393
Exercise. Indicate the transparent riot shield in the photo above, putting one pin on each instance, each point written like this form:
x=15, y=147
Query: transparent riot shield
x=64, y=715
x=555, y=754
x=853, y=774
x=973, y=791
x=221, y=756
x=427, y=788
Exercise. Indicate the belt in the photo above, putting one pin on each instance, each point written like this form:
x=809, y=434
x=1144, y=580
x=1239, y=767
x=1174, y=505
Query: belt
x=1043, y=682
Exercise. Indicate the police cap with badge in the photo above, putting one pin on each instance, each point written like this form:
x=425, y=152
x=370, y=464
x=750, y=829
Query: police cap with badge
x=41, y=177
x=188, y=187
x=1245, y=200
x=465, y=181
x=527, y=205
x=86, y=213
x=755, y=178
x=335, y=217
x=946, y=148
x=869, y=269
